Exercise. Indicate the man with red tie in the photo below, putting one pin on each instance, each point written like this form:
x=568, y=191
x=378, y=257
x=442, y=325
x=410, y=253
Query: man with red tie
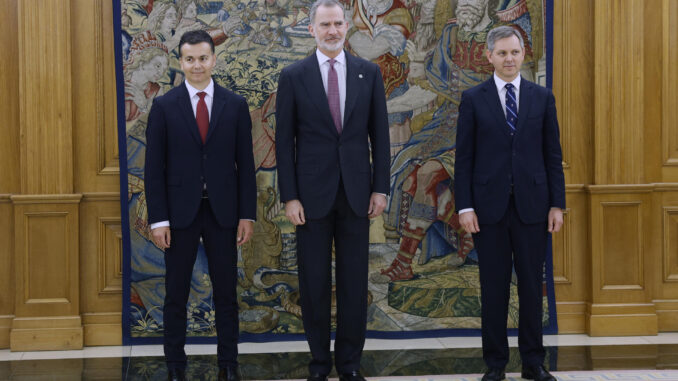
x=200, y=184
x=330, y=119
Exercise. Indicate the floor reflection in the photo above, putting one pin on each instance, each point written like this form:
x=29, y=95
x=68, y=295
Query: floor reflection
x=281, y=366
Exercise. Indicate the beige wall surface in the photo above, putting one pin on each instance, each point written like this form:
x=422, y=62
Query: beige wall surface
x=615, y=68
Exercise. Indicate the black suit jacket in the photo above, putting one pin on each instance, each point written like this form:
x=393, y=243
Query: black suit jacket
x=178, y=163
x=312, y=156
x=488, y=158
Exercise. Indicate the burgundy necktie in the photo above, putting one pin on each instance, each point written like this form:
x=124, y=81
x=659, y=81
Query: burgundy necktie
x=202, y=117
x=333, y=96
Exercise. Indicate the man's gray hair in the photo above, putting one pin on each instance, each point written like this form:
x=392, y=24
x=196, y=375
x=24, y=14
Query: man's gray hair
x=498, y=33
x=324, y=3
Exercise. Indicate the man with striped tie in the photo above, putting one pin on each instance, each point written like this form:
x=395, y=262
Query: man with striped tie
x=510, y=192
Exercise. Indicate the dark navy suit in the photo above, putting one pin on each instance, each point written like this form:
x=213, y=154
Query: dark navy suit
x=331, y=175
x=511, y=180
x=203, y=190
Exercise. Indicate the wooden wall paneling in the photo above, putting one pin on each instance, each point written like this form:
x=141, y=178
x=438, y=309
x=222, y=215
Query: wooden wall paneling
x=573, y=88
x=571, y=263
x=621, y=304
x=47, y=305
x=101, y=268
x=6, y=269
x=619, y=113
x=9, y=107
x=45, y=97
x=666, y=271
x=669, y=89
x=652, y=95
x=94, y=92
x=573, y=75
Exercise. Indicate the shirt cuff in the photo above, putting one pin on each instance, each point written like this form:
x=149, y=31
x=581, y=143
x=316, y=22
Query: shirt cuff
x=246, y=219
x=465, y=210
x=160, y=224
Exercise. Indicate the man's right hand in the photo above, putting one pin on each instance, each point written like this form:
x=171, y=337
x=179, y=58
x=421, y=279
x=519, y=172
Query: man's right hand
x=295, y=212
x=161, y=237
x=469, y=221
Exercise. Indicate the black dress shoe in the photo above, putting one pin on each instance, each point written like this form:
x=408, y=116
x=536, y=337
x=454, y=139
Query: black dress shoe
x=317, y=377
x=352, y=376
x=176, y=375
x=537, y=373
x=494, y=374
x=229, y=374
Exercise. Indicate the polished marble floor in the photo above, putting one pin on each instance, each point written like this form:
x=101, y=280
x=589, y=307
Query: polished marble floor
x=431, y=359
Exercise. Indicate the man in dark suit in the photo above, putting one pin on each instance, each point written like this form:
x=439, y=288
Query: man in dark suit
x=200, y=183
x=510, y=192
x=330, y=115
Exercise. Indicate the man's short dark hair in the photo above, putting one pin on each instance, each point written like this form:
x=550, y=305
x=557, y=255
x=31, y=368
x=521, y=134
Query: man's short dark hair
x=195, y=37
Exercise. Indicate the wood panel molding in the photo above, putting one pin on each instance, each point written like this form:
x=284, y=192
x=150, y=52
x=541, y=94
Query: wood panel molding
x=46, y=263
x=102, y=328
x=562, y=263
x=106, y=115
x=621, y=319
x=110, y=255
x=670, y=81
x=45, y=108
x=667, y=315
x=670, y=240
x=621, y=245
x=619, y=112
x=571, y=317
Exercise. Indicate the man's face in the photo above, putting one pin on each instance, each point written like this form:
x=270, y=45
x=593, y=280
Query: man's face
x=329, y=29
x=470, y=12
x=197, y=62
x=507, y=57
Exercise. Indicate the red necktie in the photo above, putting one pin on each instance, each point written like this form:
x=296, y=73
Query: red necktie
x=202, y=117
x=333, y=96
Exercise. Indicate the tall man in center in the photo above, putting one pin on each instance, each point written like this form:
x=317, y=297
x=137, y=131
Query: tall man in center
x=330, y=116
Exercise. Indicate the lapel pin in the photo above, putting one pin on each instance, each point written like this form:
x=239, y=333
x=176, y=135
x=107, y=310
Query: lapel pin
x=360, y=75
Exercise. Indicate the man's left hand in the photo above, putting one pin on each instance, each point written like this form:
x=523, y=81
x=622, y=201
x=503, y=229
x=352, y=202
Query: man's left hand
x=555, y=220
x=377, y=205
x=245, y=230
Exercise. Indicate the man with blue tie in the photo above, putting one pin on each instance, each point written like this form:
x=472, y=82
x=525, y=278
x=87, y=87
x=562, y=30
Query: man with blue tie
x=330, y=119
x=200, y=184
x=510, y=192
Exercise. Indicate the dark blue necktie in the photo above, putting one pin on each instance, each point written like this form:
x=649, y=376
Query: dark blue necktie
x=511, y=107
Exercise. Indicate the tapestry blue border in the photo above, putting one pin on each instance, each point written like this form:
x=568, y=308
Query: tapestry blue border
x=122, y=153
x=552, y=328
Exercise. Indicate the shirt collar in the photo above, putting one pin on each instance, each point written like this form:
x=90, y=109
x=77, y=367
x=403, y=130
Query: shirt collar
x=500, y=83
x=322, y=58
x=192, y=91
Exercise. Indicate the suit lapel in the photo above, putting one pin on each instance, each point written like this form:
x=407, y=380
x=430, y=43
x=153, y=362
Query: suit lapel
x=184, y=102
x=492, y=99
x=525, y=102
x=352, y=84
x=313, y=82
x=217, y=106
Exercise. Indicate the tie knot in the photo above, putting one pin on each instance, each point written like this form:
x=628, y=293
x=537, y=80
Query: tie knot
x=509, y=86
x=202, y=95
x=332, y=61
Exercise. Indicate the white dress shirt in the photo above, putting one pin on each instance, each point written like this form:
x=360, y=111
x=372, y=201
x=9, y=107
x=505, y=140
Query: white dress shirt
x=340, y=68
x=501, y=89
